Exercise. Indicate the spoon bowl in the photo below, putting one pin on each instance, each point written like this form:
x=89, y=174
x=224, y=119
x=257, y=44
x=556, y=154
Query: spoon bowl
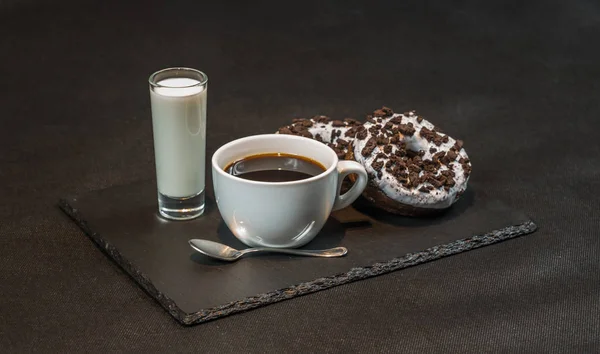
x=225, y=253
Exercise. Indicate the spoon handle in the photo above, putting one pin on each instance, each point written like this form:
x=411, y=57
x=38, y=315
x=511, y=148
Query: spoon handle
x=331, y=252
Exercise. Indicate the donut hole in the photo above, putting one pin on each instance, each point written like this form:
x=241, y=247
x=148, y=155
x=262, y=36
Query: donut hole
x=416, y=144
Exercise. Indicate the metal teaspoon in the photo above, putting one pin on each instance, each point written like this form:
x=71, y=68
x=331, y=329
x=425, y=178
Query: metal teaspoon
x=226, y=253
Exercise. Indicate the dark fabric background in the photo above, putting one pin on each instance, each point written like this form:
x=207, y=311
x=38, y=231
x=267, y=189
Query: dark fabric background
x=518, y=81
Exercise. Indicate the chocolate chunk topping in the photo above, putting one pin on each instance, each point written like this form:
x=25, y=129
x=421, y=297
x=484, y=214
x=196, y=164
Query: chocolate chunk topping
x=424, y=189
x=427, y=134
x=448, y=173
x=445, y=139
x=342, y=142
x=419, y=119
x=362, y=134
x=458, y=144
x=466, y=169
x=452, y=155
x=377, y=165
x=369, y=147
x=335, y=133
x=297, y=130
x=379, y=113
x=431, y=136
x=413, y=178
x=434, y=182
x=406, y=129
x=387, y=149
x=381, y=155
x=414, y=168
x=401, y=162
x=417, y=160
x=285, y=130
x=337, y=123
x=437, y=156
x=350, y=132
x=383, y=112
x=318, y=138
x=306, y=123
x=394, y=139
x=396, y=120
x=352, y=121
x=388, y=125
x=382, y=140
x=321, y=119
x=430, y=167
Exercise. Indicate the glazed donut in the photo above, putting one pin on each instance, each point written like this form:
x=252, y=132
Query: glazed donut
x=413, y=168
x=337, y=134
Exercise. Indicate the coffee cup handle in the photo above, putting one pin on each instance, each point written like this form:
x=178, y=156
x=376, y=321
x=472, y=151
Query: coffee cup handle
x=345, y=168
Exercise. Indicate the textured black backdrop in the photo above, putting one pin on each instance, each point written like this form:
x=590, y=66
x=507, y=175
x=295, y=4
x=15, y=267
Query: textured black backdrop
x=518, y=81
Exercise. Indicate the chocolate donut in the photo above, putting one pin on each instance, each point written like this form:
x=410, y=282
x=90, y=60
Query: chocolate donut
x=337, y=134
x=413, y=168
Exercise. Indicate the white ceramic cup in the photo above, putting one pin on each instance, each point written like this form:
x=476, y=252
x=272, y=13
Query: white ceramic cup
x=281, y=214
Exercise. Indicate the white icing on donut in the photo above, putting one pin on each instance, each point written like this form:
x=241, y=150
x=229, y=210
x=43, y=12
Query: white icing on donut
x=330, y=132
x=438, y=198
x=325, y=130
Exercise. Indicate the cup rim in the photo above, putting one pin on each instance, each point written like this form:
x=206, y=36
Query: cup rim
x=222, y=172
x=202, y=81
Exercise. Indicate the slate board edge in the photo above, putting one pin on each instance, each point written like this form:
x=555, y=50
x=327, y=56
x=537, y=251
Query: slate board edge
x=354, y=274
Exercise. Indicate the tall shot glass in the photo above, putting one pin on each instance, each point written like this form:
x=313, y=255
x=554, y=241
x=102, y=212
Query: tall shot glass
x=178, y=100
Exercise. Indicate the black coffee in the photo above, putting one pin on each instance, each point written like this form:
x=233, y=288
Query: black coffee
x=275, y=167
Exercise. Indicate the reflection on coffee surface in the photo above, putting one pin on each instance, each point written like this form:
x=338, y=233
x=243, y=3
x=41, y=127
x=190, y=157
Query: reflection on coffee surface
x=275, y=167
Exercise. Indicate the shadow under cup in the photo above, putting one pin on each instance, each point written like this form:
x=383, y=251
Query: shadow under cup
x=275, y=214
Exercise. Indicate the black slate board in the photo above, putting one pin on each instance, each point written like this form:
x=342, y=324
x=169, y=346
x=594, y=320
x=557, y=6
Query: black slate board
x=123, y=222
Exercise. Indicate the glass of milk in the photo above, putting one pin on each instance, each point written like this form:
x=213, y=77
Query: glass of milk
x=178, y=99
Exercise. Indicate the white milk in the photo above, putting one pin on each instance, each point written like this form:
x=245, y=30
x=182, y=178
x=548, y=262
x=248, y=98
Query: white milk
x=179, y=128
